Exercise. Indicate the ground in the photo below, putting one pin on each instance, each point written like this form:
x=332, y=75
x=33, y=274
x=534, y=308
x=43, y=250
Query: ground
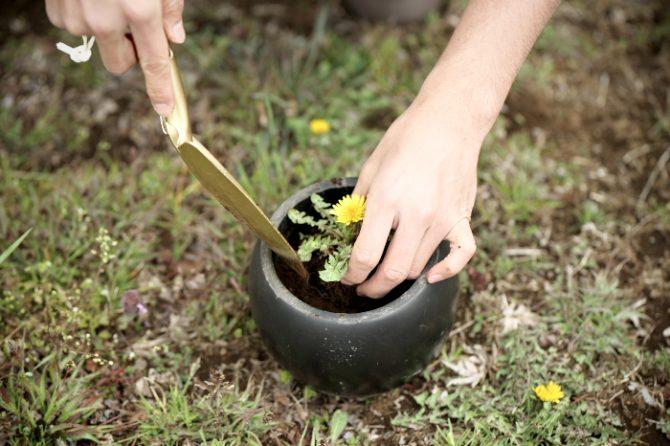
x=124, y=313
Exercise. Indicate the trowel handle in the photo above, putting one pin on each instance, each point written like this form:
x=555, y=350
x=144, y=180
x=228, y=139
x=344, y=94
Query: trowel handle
x=178, y=125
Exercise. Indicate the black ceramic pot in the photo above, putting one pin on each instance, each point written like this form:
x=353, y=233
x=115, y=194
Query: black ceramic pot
x=349, y=354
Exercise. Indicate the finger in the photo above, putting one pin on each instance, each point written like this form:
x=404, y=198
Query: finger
x=365, y=177
x=73, y=18
x=172, y=20
x=463, y=247
x=107, y=22
x=431, y=240
x=395, y=267
x=117, y=52
x=369, y=245
x=54, y=12
x=153, y=52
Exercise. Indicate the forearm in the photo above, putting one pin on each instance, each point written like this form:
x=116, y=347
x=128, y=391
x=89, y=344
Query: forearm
x=476, y=70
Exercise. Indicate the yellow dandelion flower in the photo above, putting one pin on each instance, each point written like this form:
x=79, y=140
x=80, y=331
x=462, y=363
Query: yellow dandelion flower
x=350, y=209
x=550, y=392
x=319, y=126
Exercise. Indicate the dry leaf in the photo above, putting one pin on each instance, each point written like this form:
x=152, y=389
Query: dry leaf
x=471, y=369
x=515, y=315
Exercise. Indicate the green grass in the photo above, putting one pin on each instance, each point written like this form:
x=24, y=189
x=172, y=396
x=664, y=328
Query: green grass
x=51, y=404
x=114, y=214
x=217, y=413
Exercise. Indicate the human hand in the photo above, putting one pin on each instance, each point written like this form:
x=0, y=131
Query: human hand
x=127, y=30
x=421, y=180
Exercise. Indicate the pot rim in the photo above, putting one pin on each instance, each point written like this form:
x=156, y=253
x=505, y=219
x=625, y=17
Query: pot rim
x=267, y=266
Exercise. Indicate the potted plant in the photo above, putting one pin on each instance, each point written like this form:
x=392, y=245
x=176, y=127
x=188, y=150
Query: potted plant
x=319, y=329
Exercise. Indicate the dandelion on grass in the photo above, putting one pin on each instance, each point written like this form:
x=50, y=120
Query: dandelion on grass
x=335, y=230
x=319, y=126
x=550, y=392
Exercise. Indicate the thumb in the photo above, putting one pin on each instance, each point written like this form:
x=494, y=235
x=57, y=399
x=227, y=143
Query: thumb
x=172, y=20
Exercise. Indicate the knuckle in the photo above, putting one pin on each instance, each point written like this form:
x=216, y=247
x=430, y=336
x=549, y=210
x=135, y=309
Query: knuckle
x=172, y=6
x=118, y=68
x=424, y=214
x=393, y=275
x=76, y=27
x=362, y=260
x=388, y=198
x=156, y=67
x=55, y=19
x=139, y=11
x=101, y=29
x=414, y=273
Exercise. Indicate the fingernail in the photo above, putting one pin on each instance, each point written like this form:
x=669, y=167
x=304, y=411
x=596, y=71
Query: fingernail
x=432, y=278
x=178, y=33
x=162, y=108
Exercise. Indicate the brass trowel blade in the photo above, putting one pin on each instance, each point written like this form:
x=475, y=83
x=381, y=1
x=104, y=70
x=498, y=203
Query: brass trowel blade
x=221, y=184
x=217, y=180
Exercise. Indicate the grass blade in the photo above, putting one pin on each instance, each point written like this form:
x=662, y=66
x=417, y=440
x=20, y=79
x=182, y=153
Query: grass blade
x=7, y=252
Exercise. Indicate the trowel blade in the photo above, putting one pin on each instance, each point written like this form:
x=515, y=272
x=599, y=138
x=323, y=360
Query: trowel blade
x=227, y=191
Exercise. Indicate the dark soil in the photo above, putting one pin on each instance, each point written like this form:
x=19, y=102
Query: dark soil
x=329, y=296
x=659, y=311
x=635, y=414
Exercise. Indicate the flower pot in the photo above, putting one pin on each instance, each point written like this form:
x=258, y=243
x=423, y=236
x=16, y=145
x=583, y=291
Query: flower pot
x=353, y=354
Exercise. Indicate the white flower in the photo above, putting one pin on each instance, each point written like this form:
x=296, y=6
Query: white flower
x=471, y=369
x=78, y=54
x=515, y=315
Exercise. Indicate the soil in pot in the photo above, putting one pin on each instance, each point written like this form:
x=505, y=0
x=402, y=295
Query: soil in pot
x=329, y=296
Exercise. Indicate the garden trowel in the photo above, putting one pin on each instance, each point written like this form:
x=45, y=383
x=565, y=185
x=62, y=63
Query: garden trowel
x=217, y=180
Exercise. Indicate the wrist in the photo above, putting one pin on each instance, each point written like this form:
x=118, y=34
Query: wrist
x=465, y=102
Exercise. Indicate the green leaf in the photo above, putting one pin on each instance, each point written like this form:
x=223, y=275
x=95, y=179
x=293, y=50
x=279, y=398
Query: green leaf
x=314, y=243
x=334, y=269
x=301, y=218
x=309, y=393
x=336, y=265
x=285, y=376
x=307, y=248
x=13, y=246
x=316, y=433
x=320, y=205
x=337, y=424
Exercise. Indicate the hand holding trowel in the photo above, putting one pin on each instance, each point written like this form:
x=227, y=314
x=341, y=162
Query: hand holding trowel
x=207, y=169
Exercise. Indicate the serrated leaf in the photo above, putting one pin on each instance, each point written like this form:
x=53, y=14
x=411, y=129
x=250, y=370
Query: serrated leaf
x=320, y=205
x=334, y=269
x=307, y=248
x=312, y=244
x=301, y=218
